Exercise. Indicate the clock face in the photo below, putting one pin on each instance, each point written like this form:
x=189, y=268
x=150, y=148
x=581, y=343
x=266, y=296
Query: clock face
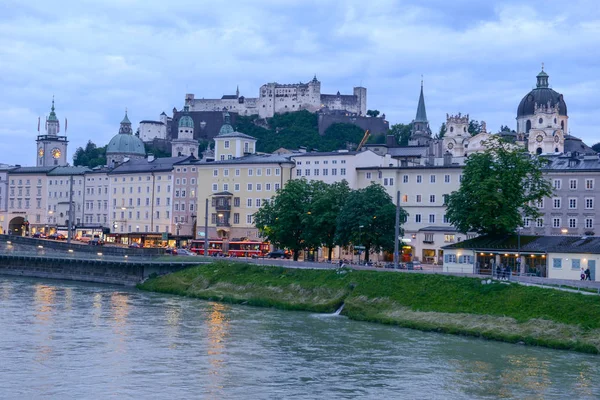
x=41, y=152
x=56, y=153
x=450, y=145
x=556, y=139
x=539, y=138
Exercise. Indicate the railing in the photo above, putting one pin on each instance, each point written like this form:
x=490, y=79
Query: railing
x=223, y=207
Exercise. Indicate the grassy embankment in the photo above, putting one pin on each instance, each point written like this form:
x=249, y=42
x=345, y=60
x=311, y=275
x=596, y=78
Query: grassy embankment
x=511, y=313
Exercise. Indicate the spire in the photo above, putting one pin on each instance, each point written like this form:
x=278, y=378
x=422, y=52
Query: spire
x=52, y=116
x=542, y=79
x=226, y=128
x=421, y=113
x=125, y=125
x=237, y=91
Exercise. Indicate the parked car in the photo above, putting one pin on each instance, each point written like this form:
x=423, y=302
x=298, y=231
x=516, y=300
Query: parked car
x=184, y=252
x=414, y=265
x=95, y=242
x=278, y=254
x=57, y=236
x=39, y=235
x=134, y=246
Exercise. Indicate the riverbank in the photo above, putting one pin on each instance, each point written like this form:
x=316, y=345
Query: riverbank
x=506, y=312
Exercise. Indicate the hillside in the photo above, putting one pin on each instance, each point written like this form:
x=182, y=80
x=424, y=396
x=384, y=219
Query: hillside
x=293, y=130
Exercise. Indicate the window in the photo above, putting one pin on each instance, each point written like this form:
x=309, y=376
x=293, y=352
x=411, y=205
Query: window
x=298, y=172
x=556, y=184
x=368, y=175
x=249, y=187
x=556, y=202
x=431, y=178
x=268, y=187
x=446, y=178
x=432, y=198
x=572, y=222
x=557, y=263
x=258, y=171
x=589, y=203
x=432, y=218
x=556, y=222
x=405, y=179
x=249, y=202
x=227, y=144
x=257, y=202
x=589, y=184
x=343, y=162
x=417, y=218
x=250, y=171
x=449, y=238
x=446, y=220
x=307, y=172
x=225, y=173
x=277, y=186
x=236, y=201
x=450, y=258
x=236, y=218
x=237, y=172
x=316, y=172
x=268, y=171
x=572, y=184
x=385, y=181
x=460, y=178
x=215, y=187
x=334, y=161
x=258, y=187
x=404, y=198
x=391, y=181
x=249, y=219
x=428, y=238
x=526, y=222
x=572, y=203
x=418, y=198
x=226, y=187
x=419, y=179
x=539, y=223
x=325, y=172
x=589, y=223
x=575, y=263
x=540, y=203
x=277, y=171
x=236, y=187
x=215, y=172
x=343, y=171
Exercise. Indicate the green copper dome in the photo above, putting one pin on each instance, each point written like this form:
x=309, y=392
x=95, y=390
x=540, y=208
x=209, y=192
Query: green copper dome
x=52, y=116
x=226, y=128
x=126, y=143
x=186, y=121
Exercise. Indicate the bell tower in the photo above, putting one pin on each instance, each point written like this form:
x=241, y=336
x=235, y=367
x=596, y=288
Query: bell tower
x=51, y=148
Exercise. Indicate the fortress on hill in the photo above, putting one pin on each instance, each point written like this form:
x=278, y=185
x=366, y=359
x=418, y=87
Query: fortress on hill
x=274, y=98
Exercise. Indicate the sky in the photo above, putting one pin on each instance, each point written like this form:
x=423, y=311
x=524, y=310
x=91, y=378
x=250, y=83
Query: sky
x=98, y=58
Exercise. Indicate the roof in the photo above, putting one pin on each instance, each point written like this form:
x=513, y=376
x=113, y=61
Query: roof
x=531, y=244
x=564, y=163
x=147, y=121
x=125, y=143
x=234, y=135
x=206, y=123
x=156, y=165
x=32, y=170
x=438, y=229
x=573, y=143
x=541, y=95
x=229, y=97
x=225, y=193
x=80, y=170
x=252, y=159
x=325, y=154
x=408, y=151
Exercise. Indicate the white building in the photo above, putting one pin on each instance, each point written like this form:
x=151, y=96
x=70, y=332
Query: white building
x=4, y=169
x=96, y=200
x=149, y=130
x=59, y=202
x=27, y=200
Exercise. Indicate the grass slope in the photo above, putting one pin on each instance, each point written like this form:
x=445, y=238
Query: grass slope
x=512, y=313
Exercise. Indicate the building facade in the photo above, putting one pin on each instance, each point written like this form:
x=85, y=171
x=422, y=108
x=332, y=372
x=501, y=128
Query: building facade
x=4, y=170
x=63, y=206
x=27, y=200
x=185, y=198
x=275, y=98
x=124, y=146
x=96, y=200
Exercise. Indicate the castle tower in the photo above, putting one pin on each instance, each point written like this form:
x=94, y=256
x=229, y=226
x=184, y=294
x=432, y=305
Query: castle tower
x=420, y=133
x=185, y=145
x=51, y=148
x=457, y=134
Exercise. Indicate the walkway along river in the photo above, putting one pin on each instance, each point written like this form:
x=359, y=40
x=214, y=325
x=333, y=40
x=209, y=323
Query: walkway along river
x=76, y=340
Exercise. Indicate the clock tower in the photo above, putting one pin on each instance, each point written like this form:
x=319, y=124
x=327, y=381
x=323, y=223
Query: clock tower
x=51, y=148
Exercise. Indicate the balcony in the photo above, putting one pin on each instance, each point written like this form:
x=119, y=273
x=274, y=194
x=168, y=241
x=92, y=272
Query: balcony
x=428, y=241
x=223, y=224
x=223, y=206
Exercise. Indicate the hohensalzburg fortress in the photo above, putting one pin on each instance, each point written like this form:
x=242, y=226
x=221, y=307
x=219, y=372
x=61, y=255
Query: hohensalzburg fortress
x=280, y=98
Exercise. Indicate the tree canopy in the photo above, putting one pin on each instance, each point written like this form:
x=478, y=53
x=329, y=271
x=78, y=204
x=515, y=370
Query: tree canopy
x=373, y=113
x=442, y=131
x=91, y=156
x=401, y=132
x=499, y=188
x=596, y=147
x=474, y=127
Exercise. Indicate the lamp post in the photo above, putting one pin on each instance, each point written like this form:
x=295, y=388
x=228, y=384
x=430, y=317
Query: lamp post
x=519, y=248
x=360, y=240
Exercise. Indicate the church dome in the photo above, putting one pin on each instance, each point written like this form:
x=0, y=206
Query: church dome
x=186, y=121
x=541, y=95
x=126, y=143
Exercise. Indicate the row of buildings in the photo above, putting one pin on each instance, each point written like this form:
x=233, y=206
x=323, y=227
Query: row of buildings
x=137, y=197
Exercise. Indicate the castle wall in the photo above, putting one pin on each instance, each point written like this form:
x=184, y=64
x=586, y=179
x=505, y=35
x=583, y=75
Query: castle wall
x=377, y=126
x=149, y=130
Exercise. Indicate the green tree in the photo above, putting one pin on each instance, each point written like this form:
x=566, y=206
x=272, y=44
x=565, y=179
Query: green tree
x=282, y=220
x=158, y=152
x=368, y=218
x=91, y=156
x=373, y=113
x=504, y=128
x=442, y=131
x=401, y=132
x=321, y=220
x=596, y=147
x=474, y=127
x=499, y=188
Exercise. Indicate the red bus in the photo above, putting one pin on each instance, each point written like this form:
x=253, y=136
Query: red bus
x=234, y=248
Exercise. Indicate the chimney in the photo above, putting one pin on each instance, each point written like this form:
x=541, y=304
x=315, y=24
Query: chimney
x=150, y=157
x=390, y=141
x=447, y=159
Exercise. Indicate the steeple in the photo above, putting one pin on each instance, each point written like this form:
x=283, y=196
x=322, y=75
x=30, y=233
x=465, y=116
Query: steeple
x=52, y=116
x=52, y=124
x=421, y=113
x=125, y=125
x=237, y=91
x=542, y=79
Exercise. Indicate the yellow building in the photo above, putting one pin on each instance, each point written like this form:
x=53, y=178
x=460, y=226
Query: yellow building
x=235, y=184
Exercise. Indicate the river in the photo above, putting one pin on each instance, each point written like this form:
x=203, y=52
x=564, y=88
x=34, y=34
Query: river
x=65, y=340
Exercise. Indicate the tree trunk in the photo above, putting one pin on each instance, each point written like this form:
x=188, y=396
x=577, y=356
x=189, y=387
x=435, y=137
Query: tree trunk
x=329, y=252
x=296, y=254
x=366, y=250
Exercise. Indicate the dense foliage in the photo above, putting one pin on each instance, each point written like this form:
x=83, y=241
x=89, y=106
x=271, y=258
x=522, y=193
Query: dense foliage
x=91, y=156
x=401, y=132
x=500, y=187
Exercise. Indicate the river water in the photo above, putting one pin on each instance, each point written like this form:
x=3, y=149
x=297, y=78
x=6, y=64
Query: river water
x=65, y=340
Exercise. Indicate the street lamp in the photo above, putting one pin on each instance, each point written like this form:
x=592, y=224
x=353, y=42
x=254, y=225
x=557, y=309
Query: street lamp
x=564, y=231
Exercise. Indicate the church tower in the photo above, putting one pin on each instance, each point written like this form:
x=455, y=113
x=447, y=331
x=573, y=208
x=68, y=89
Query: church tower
x=51, y=148
x=420, y=133
x=185, y=145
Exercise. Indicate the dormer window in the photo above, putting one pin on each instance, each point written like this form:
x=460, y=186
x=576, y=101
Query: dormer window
x=227, y=144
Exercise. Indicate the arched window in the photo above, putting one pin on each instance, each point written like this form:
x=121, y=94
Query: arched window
x=562, y=125
x=528, y=126
x=556, y=150
x=538, y=151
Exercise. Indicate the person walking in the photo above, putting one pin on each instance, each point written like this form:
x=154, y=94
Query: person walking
x=588, y=276
x=582, y=274
x=498, y=272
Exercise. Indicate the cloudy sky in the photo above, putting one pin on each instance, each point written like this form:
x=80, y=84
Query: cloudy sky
x=99, y=57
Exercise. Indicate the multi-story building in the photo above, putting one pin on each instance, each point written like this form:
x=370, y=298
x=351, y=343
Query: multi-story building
x=27, y=200
x=4, y=170
x=61, y=205
x=51, y=147
x=236, y=184
x=142, y=197
x=96, y=198
x=185, y=199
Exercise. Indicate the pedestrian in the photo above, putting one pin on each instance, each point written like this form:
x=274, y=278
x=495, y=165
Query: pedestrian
x=588, y=276
x=582, y=274
x=498, y=272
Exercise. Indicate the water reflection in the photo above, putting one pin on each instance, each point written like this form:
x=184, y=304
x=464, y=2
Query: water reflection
x=119, y=309
x=218, y=331
x=44, y=302
x=173, y=317
x=6, y=290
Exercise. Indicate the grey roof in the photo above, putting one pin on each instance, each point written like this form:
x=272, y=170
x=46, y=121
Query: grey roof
x=125, y=143
x=325, y=153
x=235, y=135
x=229, y=97
x=408, y=151
x=564, y=163
x=531, y=244
x=80, y=170
x=421, y=113
x=252, y=159
x=573, y=143
x=156, y=165
x=541, y=95
x=438, y=229
x=31, y=170
x=147, y=121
